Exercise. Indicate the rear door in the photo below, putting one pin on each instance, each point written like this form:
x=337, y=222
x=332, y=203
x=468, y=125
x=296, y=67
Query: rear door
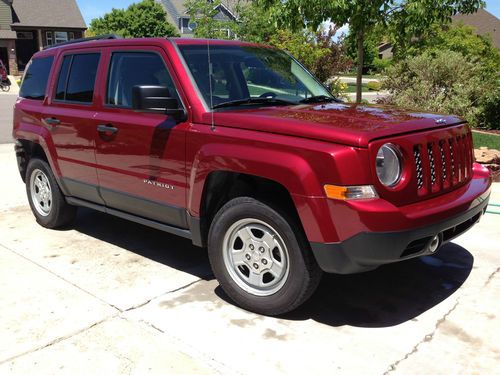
x=140, y=156
x=69, y=116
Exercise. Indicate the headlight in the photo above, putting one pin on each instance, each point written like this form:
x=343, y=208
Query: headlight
x=388, y=165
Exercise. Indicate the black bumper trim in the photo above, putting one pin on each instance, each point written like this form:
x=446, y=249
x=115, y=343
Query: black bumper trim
x=368, y=250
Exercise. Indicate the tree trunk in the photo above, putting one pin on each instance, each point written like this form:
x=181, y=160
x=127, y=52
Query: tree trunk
x=361, y=59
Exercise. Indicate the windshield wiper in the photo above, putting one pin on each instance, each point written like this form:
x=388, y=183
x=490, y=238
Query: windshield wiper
x=320, y=99
x=235, y=103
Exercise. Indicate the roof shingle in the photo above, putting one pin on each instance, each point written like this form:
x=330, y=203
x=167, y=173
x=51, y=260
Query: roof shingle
x=48, y=13
x=484, y=22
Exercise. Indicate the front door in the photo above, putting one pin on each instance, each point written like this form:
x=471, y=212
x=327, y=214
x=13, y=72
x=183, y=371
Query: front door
x=140, y=156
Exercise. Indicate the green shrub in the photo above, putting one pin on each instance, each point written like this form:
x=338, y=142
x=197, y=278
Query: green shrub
x=489, y=110
x=446, y=82
x=380, y=65
x=374, y=85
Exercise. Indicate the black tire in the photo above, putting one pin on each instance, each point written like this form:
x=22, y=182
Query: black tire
x=60, y=212
x=303, y=275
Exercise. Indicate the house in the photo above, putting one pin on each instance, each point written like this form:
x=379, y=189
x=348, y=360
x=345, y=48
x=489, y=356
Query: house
x=483, y=21
x=177, y=15
x=26, y=26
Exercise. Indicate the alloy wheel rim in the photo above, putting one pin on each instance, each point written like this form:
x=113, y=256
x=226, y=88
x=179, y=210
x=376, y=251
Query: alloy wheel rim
x=41, y=192
x=256, y=257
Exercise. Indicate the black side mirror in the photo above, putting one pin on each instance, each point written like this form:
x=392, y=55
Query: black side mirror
x=156, y=99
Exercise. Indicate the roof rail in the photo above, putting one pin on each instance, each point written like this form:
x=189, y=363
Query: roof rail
x=81, y=40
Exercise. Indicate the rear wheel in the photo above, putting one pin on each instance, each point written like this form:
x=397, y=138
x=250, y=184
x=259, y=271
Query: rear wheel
x=261, y=258
x=45, y=198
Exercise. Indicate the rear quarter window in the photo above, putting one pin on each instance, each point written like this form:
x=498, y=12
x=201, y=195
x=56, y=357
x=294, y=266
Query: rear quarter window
x=36, y=77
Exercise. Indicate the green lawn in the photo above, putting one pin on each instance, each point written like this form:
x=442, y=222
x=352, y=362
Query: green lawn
x=351, y=87
x=488, y=140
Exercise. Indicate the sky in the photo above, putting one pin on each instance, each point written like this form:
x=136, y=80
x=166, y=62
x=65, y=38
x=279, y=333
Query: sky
x=96, y=8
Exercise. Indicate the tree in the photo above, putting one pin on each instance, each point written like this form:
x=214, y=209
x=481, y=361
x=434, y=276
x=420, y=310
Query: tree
x=322, y=53
x=404, y=18
x=208, y=25
x=144, y=19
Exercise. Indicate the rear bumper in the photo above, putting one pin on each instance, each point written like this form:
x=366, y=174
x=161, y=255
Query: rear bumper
x=367, y=250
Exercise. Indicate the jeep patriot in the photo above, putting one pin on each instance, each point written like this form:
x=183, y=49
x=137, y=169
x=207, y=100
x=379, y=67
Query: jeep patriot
x=237, y=147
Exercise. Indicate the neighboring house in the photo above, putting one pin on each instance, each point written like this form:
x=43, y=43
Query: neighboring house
x=483, y=21
x=26, y=26
x=385, y=51
x=177, y=15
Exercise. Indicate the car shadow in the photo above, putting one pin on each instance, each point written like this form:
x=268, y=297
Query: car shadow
x=389, y=295
x=170, y=250
x=385, y=297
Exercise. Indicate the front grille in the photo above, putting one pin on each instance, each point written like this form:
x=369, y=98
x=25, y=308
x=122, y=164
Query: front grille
x=445, y=163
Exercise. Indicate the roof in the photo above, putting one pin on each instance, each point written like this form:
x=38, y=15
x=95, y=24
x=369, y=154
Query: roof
x=484, y=22
x=177, y=8
x=8, y=34
x=48, y=13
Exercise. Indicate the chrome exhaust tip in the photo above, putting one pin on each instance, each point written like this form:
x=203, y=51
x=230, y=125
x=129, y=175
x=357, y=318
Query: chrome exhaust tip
x=434, y=244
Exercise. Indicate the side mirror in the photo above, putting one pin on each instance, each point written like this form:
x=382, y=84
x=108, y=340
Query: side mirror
x=156, y=99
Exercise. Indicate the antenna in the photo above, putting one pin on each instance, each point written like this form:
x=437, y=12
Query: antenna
x=210, y=73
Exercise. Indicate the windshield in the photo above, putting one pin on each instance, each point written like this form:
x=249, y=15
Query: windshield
x=239, y=73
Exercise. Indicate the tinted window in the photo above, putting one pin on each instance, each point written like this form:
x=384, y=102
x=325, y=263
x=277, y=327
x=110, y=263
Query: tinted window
x=129, y=69
x=81, y=80
x=36, y=78
x=63, y=78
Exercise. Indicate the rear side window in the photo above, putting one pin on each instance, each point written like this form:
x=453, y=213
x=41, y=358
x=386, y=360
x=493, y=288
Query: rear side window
x=36, y=78
x=77, y=77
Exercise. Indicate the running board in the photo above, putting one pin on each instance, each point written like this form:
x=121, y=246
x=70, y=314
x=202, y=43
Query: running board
x=137, y=219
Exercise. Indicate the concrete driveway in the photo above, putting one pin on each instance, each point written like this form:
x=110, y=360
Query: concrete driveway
x=7, y=101
x=111, y=297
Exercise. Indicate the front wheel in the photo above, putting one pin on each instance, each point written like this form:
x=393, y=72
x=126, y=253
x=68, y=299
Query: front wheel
x=261, y=258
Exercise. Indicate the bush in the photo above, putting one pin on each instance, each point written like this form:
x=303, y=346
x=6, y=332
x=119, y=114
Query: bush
x=374, y=85
x=445, y=81
x=380, y=65
x=489, y=110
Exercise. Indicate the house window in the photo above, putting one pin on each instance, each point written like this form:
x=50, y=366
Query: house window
x=50, y=38
x=61, y=36
x=71, y=35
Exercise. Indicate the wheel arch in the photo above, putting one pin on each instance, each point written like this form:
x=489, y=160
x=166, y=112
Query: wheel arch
x=279, y=179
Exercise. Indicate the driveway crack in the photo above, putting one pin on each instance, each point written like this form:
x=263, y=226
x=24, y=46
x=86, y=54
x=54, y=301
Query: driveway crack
x=492, y=275
x=426, y=338
x=58, y=340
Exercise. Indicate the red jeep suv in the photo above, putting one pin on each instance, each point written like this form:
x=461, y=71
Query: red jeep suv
x=237, y=147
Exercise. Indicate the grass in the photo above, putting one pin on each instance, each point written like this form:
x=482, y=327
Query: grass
x=486, y=140
x=351, y=88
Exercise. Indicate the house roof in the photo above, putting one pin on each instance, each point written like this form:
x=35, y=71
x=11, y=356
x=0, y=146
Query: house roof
x=47, y=13
x=177, y=8
x=484, y=22
x=8, y=34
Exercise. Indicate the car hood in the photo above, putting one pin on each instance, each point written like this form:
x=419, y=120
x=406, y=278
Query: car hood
x=350, y=124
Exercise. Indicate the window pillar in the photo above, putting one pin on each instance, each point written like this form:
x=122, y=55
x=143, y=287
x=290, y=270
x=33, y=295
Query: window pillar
x=40, y=39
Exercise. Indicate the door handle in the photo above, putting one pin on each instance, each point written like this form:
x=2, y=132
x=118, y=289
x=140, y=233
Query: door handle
x=107, y=129
x=52, y=121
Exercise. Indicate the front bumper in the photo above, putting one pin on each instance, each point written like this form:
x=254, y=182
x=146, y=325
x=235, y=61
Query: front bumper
x=368, y=250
